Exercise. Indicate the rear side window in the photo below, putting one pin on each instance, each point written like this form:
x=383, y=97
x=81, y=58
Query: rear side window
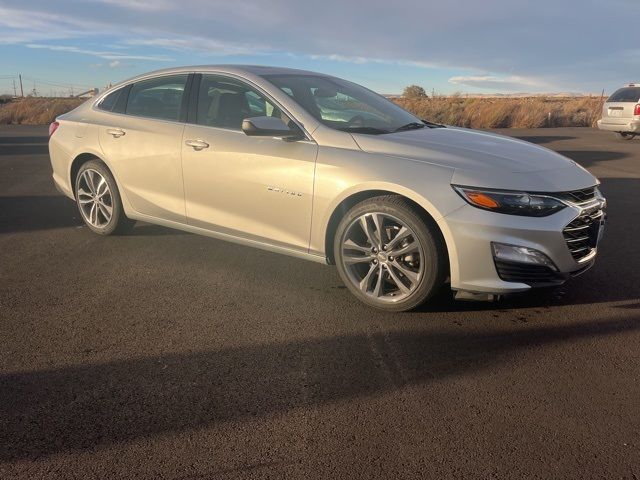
x=628, y=94
x=158, y=97
x=109, y=101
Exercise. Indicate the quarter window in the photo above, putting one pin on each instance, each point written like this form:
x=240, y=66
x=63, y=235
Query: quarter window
x=224, y=102
x=108, y=102
x=158, y=97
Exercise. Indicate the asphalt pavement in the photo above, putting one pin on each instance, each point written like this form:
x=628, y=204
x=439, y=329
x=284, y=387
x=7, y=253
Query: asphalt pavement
x=162, y=354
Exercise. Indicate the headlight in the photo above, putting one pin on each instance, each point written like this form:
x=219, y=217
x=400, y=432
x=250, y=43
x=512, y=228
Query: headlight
x=511, y=203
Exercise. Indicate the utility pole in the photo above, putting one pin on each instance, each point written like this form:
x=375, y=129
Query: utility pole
x=15, y=94
x=21, y=89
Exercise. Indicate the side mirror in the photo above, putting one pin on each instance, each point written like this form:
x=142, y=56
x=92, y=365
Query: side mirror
x=270, y=127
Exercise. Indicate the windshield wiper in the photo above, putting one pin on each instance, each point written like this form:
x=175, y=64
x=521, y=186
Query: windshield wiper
x=369, y=130
x=433, y=125
x=410, y=126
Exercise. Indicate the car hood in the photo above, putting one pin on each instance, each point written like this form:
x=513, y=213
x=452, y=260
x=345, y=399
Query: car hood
x=483, y=159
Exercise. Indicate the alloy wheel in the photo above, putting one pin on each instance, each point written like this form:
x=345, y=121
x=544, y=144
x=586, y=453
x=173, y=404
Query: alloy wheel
x=94, y=198
x=382, y=256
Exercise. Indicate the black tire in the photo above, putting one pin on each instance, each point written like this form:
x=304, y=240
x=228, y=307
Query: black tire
x=433, y=252
x=624, y=136
x=118, y=222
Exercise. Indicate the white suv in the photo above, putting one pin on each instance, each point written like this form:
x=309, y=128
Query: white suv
x=621, y=112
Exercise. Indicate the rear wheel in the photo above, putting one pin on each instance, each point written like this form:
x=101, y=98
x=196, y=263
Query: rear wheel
x=99, y=201
x=624, y=136
x=388, y=255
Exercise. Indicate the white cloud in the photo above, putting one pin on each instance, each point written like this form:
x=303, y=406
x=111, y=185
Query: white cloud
x=197, y=44
x=515, y=40
x=143, y=5
x=28, y=25
x=342, y=58
x=362, y=60
x=107, y=55
x=507, y=83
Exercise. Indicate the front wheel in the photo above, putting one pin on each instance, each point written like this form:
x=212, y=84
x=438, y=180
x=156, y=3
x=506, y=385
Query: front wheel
x=99, y=201
x=388, y=255
x=624, y=136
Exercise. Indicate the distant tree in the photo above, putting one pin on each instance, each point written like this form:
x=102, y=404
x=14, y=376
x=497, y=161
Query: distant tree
x=414, y=91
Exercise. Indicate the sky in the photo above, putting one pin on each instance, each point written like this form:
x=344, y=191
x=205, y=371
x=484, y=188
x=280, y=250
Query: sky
x=446, y=46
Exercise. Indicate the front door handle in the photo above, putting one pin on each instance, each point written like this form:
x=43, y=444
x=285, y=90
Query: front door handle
x=115, y=132
x=197, y=145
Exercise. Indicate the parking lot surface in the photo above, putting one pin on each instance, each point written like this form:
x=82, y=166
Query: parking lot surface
x=161, y=354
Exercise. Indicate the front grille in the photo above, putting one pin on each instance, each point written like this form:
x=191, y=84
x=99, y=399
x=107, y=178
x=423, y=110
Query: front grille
x=534, y=275
x=581, y=234
x=577, y=196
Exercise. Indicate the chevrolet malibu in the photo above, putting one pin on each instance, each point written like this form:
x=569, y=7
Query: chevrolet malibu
x=323, y=169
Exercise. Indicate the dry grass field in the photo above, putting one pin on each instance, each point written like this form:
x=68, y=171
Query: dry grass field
x=36, y=111
x=528, y=112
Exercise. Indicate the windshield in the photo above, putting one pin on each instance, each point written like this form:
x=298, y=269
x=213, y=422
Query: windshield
x=344, y=105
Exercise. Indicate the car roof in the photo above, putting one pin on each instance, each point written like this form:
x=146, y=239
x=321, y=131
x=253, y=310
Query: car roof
x=259, y=70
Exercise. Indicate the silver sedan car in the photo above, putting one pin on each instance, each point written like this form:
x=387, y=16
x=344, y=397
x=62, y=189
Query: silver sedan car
x=323, y=169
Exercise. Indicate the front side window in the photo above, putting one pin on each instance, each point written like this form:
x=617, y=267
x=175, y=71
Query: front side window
x=224, y=102
x=629, y=94
x=159, y=98
x=344, y=105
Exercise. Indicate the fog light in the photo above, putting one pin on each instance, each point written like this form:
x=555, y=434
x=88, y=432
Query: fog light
x=514, y=253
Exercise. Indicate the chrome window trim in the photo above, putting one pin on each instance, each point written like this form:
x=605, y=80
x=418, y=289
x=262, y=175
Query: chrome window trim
x=94, y=106
x=134, y=81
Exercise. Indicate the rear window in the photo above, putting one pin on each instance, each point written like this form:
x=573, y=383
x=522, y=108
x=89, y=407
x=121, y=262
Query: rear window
x=628, y=94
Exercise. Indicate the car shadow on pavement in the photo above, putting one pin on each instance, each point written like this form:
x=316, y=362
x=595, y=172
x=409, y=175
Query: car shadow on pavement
x=149, y=230
x=15, y=140
x=82, y=407
x=23, y=146
x=542, y=139
x=33, y=149
x=31, y=213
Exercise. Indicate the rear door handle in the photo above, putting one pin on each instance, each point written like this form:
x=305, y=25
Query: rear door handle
x=197, y=145
x=115, y=132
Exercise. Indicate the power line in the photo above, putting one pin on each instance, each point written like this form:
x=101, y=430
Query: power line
x=56, y=84
x=54, y=87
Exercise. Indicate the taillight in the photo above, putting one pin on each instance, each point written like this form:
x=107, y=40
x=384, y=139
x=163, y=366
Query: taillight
x=636, y=111
x=53, y=127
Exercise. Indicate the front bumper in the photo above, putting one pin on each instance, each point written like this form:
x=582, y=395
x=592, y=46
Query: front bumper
x=620, y=125
x=470, y=231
